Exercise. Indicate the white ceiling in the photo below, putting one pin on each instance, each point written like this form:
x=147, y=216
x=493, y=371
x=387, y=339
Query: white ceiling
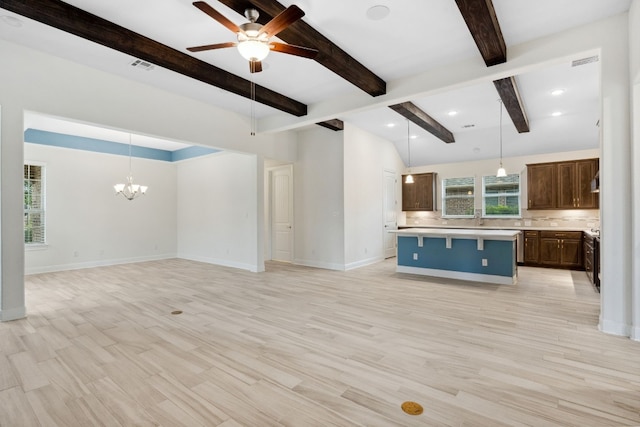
x=415, y=37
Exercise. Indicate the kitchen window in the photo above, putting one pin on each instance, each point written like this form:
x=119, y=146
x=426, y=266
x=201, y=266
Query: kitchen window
x=34, y=215
x=501, y=196
x=458, y=197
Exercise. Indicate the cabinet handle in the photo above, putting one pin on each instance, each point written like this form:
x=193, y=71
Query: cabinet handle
x=529, y=202
x=578, y=201
x=558, y=243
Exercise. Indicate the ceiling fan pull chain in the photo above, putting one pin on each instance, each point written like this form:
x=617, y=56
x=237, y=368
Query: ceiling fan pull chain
x=253, y=108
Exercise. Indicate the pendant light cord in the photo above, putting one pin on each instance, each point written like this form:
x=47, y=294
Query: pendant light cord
x=500, y=103
x=129, y=154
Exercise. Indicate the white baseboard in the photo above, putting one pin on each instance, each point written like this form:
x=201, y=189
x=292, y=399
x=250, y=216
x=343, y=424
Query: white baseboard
x=13, y=314
x=635, y=333
x=616, y=328
x=95, y=263
x=223, y=262
x=319, y=264
x=459, y=275
x=363, y=262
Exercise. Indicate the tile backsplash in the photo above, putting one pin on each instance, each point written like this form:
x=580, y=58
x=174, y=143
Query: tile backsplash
x=575, y=218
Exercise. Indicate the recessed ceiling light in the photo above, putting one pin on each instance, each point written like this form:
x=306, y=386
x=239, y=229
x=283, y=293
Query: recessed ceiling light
x=376, y=13
x=11, y=20
x=557, y=92
x=390, y=125
x=452, y=113
x=413, y=136
x=556, y=113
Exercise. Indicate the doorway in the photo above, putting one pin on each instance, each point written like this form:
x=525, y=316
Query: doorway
x=390, y=213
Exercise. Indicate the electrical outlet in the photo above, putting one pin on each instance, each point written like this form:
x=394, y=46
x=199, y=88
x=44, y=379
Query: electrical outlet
x=415, y=257
x=554, y=224
x=485, y=262
x=518, y=223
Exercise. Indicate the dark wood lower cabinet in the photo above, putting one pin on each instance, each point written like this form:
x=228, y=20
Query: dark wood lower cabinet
x=531, y=247
x=559, y=249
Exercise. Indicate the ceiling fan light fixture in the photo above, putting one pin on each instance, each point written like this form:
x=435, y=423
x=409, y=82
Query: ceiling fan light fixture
x=253, y=47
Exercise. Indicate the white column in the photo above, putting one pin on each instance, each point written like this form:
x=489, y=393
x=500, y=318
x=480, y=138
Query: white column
x=615, y=185
x=11, y=214
x=634, y=59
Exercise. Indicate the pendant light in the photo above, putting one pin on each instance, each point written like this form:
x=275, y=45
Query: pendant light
x=501, y=172
x=409, y=178
x=130, y=190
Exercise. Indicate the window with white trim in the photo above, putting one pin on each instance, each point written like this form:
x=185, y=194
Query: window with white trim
x=458, y=197
x=34, y=219
x=501, y=196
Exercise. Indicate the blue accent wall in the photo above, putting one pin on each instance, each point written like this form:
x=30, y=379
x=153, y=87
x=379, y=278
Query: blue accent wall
x=463, y=256
x=35, y=136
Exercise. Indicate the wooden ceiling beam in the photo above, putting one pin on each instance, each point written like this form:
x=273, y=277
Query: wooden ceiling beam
x=329, y=55
x=425, y=121
x=333, y=124
x=76, y=21
x=481, y=19
x=508, y=91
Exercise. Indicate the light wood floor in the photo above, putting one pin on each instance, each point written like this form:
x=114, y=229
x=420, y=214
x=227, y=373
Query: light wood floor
x=298, y=346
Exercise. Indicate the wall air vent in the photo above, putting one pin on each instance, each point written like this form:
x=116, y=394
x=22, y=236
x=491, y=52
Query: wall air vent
x=468, y=126
x=142, y=65
x=584, y=61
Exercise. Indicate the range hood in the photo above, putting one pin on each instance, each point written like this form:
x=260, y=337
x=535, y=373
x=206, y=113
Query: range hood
x=595, y=183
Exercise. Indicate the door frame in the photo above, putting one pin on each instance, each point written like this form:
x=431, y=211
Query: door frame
x=269, y=206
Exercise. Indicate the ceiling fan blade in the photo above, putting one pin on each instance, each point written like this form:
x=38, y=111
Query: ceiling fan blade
x=255, y=66
x=305, y=52
x=282, y=20
x=217, y=16
x=211, y=46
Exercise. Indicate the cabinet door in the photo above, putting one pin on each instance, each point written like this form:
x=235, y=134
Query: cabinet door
x=409, y=196
x=418, y=196
x=541, y=186
x=424, y=196
x=549, y=251
x=571, y=253
x=531, y=247
x=566, y=185
x=585, y=172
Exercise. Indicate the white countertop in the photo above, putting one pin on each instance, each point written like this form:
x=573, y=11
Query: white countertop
x=459, y=233
x=489, y=227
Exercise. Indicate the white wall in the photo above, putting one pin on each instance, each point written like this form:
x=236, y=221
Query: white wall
x=34, y=81
x=319, y=199
x=217, y=207
x=366, y=157
x=87, y=225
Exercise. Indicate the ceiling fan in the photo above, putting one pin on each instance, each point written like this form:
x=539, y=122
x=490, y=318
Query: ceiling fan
x=253, y=38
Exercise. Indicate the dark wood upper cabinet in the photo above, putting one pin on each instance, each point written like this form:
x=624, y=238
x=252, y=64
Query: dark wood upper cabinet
x=541, y=186
x=586, y=170
x=562, y=185
x=419, y=196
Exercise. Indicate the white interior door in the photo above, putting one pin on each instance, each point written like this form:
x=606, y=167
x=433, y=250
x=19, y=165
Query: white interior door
x=282, y=214
x=390, y=213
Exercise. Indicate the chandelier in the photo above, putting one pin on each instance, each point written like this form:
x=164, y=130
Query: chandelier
x=130, y=190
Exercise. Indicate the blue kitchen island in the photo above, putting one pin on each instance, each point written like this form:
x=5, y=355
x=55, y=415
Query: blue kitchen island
x=465, y=254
